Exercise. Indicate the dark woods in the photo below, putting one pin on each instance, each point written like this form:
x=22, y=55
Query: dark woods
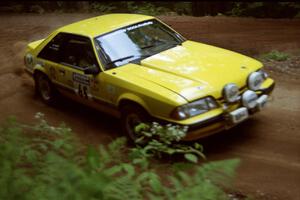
x=272, y=9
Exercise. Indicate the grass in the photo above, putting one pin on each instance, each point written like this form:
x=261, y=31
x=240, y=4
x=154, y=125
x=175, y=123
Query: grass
x=275, y=55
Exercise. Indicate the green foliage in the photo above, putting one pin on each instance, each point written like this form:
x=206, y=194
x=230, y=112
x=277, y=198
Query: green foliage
x=103, y=8
x=47, y=162
x=236, y=9
x=298, y=15
x=205, y=182
x=264, y=9
x=253, y=9
x=275, y=55
x=157, y=140
x=183, y=8
x=146, y=8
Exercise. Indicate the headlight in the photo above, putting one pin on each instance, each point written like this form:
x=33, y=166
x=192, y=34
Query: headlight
x=231, y=93
x=264, y=73
x=255, y=79
x=249, y=99
x=28, y=60
x=194, y=108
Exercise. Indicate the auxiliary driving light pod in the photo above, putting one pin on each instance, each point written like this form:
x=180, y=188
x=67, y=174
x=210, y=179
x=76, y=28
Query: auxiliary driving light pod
x=231, y=93
x=261, y=101
x=249, y=99
x=255, y=80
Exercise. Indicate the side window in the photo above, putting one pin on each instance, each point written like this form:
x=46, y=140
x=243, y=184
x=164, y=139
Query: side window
x=77, y=51
x=51, y=50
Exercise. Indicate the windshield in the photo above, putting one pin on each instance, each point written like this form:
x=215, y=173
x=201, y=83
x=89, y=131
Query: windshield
x=135, y=42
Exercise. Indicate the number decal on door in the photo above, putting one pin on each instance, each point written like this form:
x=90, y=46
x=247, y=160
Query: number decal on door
x=82, y=91
x=81, y=84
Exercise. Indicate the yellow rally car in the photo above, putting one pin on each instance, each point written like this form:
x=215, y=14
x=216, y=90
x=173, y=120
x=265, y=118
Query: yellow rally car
x=138, y=68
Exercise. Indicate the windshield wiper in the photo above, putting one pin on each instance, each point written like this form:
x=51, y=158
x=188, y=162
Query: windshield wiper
x=140, y=57
x=173, y=44
x=120, y=59
x=145, y=55
x=149, y=46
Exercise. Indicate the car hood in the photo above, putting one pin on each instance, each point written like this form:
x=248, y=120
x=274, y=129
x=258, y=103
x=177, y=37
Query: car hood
x=194, y=70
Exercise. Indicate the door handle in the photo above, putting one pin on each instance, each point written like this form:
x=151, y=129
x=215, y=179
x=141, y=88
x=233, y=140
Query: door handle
x=62, y=71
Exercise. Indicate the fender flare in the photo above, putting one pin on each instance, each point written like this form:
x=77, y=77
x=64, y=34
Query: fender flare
x=133, y=98
x=38, y=68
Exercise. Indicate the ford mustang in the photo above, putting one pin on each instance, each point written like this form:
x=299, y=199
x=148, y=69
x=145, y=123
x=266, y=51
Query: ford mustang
x=139, y=69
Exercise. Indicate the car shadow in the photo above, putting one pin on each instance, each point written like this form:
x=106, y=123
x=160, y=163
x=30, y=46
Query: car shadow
x=87, y=119
x=104, y=124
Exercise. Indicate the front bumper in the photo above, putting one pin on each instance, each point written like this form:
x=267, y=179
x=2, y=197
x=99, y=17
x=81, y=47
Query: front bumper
x=206, y=128
x=220, y=122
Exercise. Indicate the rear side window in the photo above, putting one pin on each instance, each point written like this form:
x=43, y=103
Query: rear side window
x=51, y=50
x=77, y=51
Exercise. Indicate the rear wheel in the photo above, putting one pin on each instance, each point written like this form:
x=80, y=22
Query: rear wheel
x=131, y=116
x=45, y=88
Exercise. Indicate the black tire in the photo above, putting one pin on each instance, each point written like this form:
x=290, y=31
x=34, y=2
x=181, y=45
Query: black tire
x=132, y=115
x=45, y=89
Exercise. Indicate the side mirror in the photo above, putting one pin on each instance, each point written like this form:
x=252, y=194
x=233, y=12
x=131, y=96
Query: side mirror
x=91, y=70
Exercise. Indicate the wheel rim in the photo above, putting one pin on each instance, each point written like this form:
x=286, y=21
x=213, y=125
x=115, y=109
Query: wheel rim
x=132, y=120
x=44, y=88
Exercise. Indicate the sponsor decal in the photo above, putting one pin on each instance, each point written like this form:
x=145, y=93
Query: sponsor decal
x=83, y=79
x=138, y=26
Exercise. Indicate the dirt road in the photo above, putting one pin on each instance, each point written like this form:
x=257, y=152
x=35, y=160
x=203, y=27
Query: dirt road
x=268, y=143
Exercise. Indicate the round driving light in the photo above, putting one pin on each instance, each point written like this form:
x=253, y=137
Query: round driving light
x=249, y=99
x=255, y=80
x=231, y=93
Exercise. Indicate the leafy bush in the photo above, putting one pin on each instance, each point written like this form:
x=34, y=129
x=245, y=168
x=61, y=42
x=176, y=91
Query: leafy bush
x=146, y=8
x=236, y=9
x=264, y=9
x=45, y=162
x=157, y=140
x=103, y=8
x=298, y=15
x=275, y=55
x=183, y=8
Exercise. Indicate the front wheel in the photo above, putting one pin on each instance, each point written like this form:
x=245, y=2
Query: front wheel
x=45, y=88
x=131, y=116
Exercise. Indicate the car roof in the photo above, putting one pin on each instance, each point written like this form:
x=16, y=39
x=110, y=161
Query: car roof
x=99, y=25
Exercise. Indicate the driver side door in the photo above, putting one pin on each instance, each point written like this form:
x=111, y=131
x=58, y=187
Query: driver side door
x=76, y=54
